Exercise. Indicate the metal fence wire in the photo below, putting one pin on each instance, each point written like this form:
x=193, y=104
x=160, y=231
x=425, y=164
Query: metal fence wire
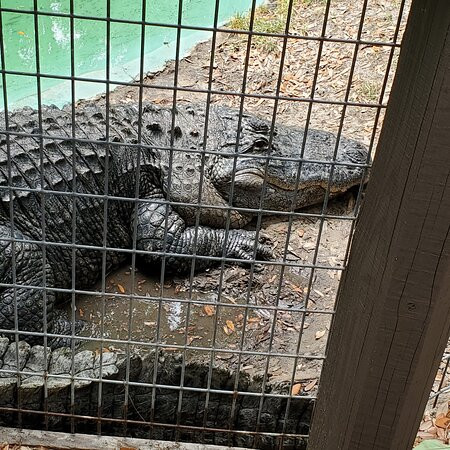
x=126, y=211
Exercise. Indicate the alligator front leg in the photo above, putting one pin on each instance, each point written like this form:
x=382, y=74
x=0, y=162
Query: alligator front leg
x=25, y=290
x=181, y=240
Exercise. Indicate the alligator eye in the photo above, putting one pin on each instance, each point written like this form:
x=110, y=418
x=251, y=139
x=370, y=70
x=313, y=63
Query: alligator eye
x=260, y=143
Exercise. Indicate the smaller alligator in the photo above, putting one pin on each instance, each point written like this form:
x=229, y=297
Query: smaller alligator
x=47, y=378
x=54, y=190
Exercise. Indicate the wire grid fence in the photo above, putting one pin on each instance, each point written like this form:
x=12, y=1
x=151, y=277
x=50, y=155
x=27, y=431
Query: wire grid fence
x=442, y=379
x=258, y=431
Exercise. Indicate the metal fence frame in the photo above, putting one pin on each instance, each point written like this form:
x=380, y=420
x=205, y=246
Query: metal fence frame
x=394, y=294
x=277, y=96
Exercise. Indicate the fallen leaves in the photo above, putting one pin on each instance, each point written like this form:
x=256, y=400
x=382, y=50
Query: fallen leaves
x=320, y=334
x=190, y=339
x=253, y=320
x=229, y=328
x=442, y=421
x=120, y=288
x=230, y=325
x=295, y=287
x=310, y=385
x=296, y=389
x=437, y=427
x=209, y=310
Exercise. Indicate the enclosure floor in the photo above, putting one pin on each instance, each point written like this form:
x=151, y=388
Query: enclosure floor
x=239, y=286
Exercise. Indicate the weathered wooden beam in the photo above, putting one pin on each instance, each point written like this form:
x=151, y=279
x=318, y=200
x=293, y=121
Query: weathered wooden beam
x=393, y=314
x=60, y=441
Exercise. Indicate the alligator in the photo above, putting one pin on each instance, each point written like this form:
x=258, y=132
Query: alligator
x=90, y=385
x=97, y=183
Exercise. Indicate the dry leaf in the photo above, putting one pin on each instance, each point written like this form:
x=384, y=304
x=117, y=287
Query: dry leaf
x=296, y=389
x=288, y=76
x=121, y=288
x=424, y=426
x=230, y=325
x=441, y=433
x=81, y=312
x=253, y=319
x=226, y=330
x=424, y=435
x=193, y=338
x=320, y=334
x=209, y=310
x=272, y=278
x=310, y=385
x=178, y=288
x=442, y=422
x=295, y=288
x=224, y=357
x=149, y=324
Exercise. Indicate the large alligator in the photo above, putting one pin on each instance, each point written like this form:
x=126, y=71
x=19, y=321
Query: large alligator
x=54, y=386
x=54, y=189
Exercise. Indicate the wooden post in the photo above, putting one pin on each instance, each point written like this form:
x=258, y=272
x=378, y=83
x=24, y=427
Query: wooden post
x=393, y=313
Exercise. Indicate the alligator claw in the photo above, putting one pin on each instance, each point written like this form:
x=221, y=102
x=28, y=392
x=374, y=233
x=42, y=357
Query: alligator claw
x=242, y=245
x=264, y=239
x=61, y=325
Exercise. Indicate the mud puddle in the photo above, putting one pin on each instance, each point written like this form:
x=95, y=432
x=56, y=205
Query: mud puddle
x=182, y=316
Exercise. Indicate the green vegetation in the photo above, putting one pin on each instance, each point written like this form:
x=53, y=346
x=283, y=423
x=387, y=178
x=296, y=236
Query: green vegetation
x=368, y=91
x=270, y=18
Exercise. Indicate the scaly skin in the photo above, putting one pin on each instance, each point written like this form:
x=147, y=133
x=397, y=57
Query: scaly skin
x=57, y=164
x=45, y=385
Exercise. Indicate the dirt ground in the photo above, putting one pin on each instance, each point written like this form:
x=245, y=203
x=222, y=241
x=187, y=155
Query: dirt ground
x=311, y=240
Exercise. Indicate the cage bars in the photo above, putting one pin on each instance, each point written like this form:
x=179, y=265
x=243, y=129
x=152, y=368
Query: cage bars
x=158, y=344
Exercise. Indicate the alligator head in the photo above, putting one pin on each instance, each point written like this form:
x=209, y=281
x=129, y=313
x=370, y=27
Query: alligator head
x=289, y=173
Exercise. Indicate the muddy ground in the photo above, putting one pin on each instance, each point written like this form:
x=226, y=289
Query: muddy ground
x=263, y=289
x=306, y=297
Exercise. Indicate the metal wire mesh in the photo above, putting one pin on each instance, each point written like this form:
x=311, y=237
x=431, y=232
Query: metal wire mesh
x=442, y=379
x=265, y=380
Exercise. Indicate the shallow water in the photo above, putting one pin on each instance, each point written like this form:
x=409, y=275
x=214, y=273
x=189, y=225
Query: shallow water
x=157, y=318
x=89, y=36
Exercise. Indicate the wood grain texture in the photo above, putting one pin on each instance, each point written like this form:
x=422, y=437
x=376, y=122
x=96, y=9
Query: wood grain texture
x=66, y=441
x=393, y=314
